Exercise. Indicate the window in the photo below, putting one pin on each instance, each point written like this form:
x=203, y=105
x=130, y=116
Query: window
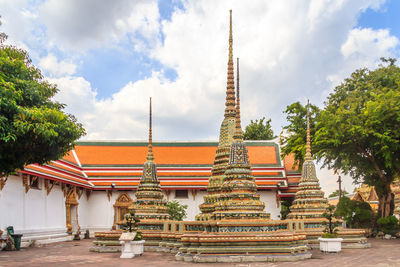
x=181, y=194
x=34, y=182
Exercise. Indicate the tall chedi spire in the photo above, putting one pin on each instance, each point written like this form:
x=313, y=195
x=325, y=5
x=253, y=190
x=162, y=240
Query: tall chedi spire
x=230, y=83
x=309, y=201
x=226, y=133
x=150, y=202
x=239, y=198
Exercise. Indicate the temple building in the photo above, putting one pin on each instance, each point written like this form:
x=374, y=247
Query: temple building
x=92, y=187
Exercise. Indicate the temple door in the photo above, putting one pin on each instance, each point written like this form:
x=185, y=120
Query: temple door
x=71, y=207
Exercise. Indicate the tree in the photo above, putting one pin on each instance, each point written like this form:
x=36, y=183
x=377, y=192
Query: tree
x=358, y=132
x=33, y=127
x=176, y=210
x=285, y=209
x=336, y=193
x=257, y=130
x=356, y=214
x=295, y=141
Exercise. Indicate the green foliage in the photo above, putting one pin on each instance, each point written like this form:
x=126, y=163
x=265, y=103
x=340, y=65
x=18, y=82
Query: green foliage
x=257, y=130
x=131, y=223
x=358, y=132
x=285, y=209
x=331, y=224
x=328, y=235
x=33, y=127
x=356, y=214
x=176, y=210
x=388, y=225
x=295, y=141
x=336, y=193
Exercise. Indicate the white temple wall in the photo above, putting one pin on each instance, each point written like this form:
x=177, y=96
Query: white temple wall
x=193, y=201
x=34, y=214
x=83, y=212
x=100, y=211
x=271, y=205
x=39, y=216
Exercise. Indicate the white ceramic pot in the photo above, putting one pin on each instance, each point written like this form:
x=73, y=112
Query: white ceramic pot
x=126, y=242
x=137, y=247
x=330, y=244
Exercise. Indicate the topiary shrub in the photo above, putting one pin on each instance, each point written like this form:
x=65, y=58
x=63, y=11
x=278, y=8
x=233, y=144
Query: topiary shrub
x=330, y=230
x=388, y=225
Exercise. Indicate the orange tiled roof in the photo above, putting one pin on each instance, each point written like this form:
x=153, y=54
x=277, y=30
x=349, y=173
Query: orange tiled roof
x=180, y=164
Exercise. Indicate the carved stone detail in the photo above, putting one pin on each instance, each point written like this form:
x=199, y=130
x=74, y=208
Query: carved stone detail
x=123, y=201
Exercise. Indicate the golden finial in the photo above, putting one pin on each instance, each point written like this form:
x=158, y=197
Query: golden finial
x=308, y=143
x=230, y=84
x=150, y=155
x=280, y=136
x=238, y=133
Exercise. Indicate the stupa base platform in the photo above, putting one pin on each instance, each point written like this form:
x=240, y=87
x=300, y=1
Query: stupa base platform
x=245, y=258
x=240, y=247
x=106, y=242
x=352, y=238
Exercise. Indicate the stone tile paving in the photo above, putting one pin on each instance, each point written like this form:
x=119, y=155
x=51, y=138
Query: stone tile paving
x=383, y=253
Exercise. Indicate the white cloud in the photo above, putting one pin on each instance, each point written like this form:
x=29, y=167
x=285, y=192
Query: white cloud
x=364, y=42
x=86, y=24
x=289, y=50
x=57, y=68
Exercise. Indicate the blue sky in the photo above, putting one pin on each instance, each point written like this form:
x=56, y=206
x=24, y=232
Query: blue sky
x=108, y=57
x=385, y=18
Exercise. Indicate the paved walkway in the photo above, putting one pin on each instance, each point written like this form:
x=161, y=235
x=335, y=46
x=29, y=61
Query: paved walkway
x=76, y=253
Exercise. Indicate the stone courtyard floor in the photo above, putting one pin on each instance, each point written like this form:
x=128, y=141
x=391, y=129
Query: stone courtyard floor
x=76, y=253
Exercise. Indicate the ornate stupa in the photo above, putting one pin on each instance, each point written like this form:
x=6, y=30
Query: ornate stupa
x=227, y=131
x=150, y=202
x=239, y=198
x=396, y=192
x=309, y=201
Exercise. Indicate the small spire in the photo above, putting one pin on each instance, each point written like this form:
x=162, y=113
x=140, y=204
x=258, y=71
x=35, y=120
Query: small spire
x=230, y=84
x=150, y=155
x=308, y=144
x=238, y=132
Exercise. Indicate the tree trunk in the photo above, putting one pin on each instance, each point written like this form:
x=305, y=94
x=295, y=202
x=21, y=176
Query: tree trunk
x=385, y=202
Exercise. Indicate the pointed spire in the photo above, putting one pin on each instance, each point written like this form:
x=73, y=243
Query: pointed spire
x=308, y=144
x=150, y=156
x=230, y=85
x=238, y=130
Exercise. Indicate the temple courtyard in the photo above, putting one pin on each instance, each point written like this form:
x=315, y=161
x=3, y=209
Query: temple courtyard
x=76, y=253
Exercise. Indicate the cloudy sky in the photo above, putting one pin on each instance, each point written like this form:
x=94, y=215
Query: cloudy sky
x=109, y=57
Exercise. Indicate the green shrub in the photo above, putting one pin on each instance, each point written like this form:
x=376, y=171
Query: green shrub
x=330, y=230
x=388, y=225
x=356, y=214
x=176, y=210
x=285, y=209
x=328, y=235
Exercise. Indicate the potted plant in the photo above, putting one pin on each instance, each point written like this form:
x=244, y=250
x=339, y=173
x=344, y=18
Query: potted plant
x=329, y=241
x=131, y=240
